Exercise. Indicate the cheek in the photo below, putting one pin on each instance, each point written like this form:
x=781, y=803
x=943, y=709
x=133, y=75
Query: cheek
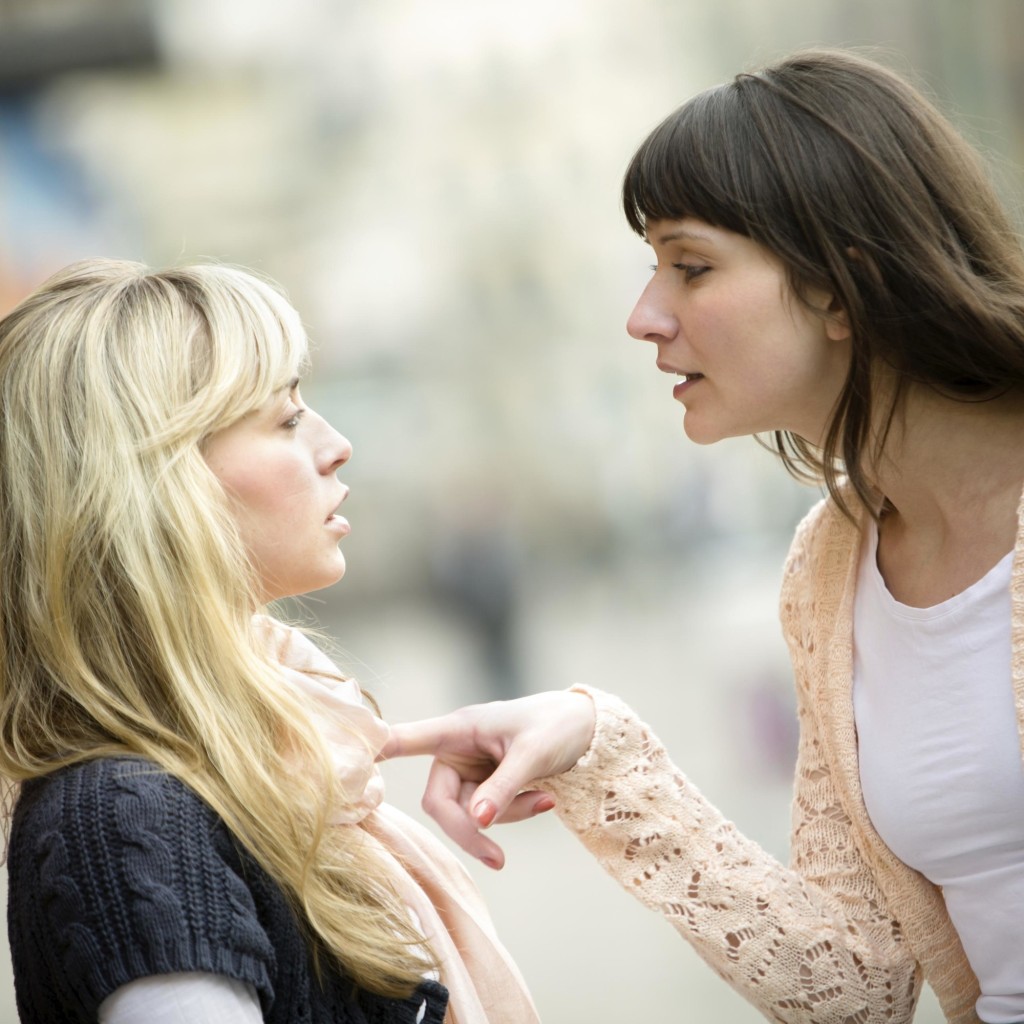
x=733, y=313
x=258, y=490
x=775, y=332
x=249, y=494
x=258, y=514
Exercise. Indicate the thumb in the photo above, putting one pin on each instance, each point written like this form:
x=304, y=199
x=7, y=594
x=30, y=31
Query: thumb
x=495, y=794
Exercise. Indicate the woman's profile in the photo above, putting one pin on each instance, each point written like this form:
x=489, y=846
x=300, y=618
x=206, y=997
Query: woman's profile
x=198, y=830
x=834, y=272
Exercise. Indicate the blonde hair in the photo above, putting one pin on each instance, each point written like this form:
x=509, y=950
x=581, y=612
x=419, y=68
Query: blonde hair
x=126, y=597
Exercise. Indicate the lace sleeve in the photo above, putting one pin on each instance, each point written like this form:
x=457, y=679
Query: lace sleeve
x=809, y=944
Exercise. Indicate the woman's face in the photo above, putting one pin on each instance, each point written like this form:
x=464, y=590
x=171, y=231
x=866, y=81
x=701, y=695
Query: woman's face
x=278, y=466
x=750, y=356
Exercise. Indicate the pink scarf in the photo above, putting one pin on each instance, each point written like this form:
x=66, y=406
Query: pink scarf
x=484, y=985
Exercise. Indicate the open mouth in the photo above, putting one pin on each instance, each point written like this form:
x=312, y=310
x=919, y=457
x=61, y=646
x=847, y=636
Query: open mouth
x=336, y=511
x=690, y=376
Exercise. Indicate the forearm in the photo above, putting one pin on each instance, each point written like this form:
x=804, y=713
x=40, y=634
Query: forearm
x=785, y=944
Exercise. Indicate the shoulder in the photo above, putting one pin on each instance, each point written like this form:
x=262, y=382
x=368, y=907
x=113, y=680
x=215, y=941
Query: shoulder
x=104, y=778
x=121, y=827
x=107, y=804
x=824, y=533
x=820, y=567
x=118, y=870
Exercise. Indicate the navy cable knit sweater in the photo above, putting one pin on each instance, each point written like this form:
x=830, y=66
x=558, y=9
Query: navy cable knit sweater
x=118, y=871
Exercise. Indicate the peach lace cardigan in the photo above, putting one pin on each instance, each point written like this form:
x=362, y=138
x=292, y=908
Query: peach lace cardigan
x=846, y=933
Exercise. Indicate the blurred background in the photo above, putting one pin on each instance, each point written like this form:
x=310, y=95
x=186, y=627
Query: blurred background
x=435, y=184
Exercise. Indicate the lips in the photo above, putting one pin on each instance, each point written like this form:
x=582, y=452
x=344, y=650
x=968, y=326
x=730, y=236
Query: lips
x=337, y=525
x=687, y=375
x=333, y=514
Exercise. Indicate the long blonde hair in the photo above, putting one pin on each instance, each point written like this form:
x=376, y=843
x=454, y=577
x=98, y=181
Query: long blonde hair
x=126, y=598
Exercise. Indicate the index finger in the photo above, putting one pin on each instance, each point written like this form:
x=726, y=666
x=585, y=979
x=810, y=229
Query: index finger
x=410, y=739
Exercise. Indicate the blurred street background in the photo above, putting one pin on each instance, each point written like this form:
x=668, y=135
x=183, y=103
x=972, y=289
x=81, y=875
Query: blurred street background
x=435, y=184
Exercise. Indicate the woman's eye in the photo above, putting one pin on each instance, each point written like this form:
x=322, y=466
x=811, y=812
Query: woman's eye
x=691, y=270
x=293, y=421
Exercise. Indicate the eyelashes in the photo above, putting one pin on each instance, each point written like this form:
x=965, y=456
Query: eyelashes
x=690, y=271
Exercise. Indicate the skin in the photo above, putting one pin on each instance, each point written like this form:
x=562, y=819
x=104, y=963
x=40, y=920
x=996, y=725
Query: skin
x=718, y=306
x=952, y=472
x=279, y=467
x=485, y=756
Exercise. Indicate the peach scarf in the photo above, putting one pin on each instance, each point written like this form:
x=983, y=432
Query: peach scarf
x=484, y=984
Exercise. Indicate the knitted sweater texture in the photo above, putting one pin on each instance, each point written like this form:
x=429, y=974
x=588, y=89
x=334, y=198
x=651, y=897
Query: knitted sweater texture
x=847, y=932
x=118, y=871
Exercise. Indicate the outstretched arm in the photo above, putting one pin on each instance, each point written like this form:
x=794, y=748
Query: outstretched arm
x=487, y=754
x=813, y=944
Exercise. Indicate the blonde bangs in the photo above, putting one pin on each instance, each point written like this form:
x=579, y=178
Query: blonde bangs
x=244, y=343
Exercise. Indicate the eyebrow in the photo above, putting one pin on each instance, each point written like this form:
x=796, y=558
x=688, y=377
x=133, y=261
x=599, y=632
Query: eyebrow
x=684, y=235
x=291, y=385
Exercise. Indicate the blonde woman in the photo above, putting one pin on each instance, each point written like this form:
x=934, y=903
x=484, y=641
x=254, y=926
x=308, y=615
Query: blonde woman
x=197, y=831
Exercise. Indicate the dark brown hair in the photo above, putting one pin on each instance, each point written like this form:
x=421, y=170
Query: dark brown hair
x=861, y=188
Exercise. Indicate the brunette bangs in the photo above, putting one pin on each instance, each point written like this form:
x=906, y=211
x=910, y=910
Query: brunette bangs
x=706, y=160
x=852, y=178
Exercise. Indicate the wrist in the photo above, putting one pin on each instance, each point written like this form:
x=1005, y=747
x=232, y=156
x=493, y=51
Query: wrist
x=584, y=722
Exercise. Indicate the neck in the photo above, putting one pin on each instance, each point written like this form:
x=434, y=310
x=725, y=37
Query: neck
x=949, y=462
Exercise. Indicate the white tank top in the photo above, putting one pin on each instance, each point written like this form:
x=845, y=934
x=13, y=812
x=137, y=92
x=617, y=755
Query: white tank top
x=940, y=761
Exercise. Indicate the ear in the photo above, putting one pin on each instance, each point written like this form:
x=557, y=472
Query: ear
x=837, y=323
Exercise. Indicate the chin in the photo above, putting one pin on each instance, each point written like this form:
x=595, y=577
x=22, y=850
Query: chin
x=299, y=587
x=328, y=579
x=710, y=433
x=702, y=436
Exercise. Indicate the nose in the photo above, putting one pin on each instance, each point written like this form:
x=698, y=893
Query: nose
x=652, y=319
x=343, y=450
x=335, y=449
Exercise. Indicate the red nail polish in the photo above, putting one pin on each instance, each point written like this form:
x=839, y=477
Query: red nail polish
x=485, y=813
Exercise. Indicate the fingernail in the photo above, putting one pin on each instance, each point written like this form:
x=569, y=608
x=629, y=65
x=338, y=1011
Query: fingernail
x=491, y=863
x=544, y=804
x=485, y=813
